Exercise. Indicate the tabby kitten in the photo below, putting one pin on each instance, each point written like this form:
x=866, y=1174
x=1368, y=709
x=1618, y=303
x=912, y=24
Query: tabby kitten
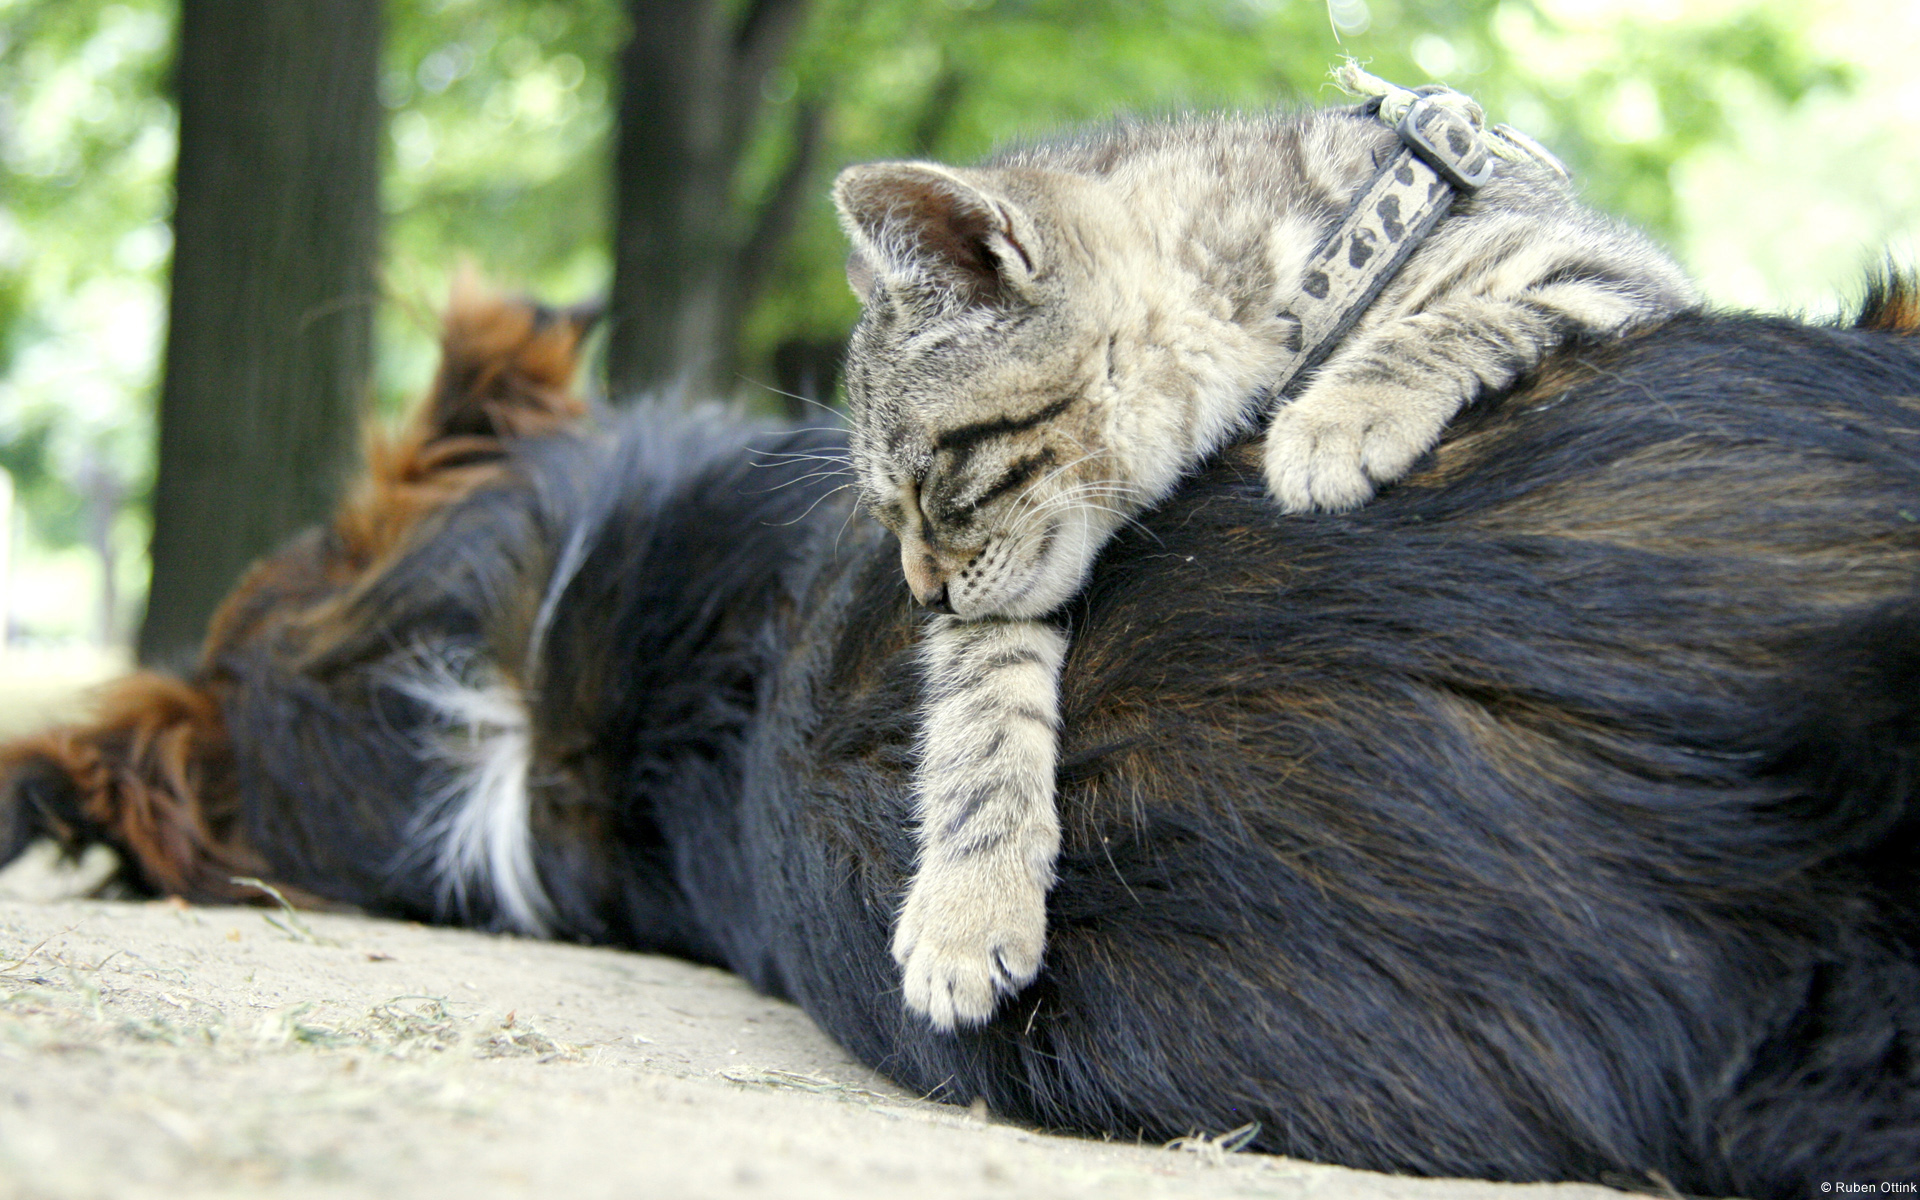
x=1050, y=341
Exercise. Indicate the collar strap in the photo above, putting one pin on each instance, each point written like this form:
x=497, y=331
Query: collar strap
x=1444, y=153
x=1441, y=155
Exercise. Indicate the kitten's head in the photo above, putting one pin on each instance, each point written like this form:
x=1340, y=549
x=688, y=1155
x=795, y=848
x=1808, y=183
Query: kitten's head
x=982, y=378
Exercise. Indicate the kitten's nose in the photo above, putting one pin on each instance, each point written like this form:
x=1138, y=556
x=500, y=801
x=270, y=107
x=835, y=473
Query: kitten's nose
x=924, y=577
x=937, y=602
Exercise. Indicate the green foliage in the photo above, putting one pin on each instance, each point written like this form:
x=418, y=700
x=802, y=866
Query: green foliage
x=500, y=147
x=86, y=158
x=1626, y=102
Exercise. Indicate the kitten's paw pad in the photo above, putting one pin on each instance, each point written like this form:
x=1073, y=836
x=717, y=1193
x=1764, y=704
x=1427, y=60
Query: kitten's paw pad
x=1311, y=466
x=1332, y=456
x=964, y=940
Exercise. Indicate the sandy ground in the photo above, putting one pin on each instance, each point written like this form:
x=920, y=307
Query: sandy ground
x=156, y=1049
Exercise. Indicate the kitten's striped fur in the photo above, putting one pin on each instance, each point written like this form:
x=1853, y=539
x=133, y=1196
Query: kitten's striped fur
x=1051, y=341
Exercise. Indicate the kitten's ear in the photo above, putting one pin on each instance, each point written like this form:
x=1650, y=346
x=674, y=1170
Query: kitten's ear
x=860, y=275
x=922, y=221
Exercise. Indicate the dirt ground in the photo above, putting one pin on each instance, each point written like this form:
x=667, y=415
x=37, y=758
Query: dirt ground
x=156, y=1049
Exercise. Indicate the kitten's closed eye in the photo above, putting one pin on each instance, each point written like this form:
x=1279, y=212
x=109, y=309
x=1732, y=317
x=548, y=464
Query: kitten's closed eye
x=1021, y=472
x=963, y=509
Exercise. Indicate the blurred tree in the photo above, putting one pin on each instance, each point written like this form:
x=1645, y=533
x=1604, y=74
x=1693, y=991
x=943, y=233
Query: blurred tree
x=86, y=157
x=269, y=338
x=688, y=258
x=500, y=149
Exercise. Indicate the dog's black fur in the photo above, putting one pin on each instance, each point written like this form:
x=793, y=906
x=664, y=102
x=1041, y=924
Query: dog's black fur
x=1548, y=818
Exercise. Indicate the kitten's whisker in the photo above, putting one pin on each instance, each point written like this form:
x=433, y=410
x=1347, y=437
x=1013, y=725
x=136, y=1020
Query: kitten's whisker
x=767, y=387
x=791, y=455
x=1089, y=494
x=1128, y=498
x=1076, y=499
x=1020, y=526
x=816, y=504
x=1048, y=506
x=828, y=465
x=798, y=453
x=1070, y=464
x=853, y=510
x=838, y=464
x=803, y=479
x=1103, y=488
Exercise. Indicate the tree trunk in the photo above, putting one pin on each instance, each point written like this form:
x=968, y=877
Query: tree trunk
x=269, y=341
x=687, y=261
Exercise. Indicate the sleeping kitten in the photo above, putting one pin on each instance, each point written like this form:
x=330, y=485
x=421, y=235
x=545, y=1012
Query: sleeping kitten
x=1049, y=342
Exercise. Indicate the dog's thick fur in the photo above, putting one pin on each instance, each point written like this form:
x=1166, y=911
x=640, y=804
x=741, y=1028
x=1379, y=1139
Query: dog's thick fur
x=1549, y=818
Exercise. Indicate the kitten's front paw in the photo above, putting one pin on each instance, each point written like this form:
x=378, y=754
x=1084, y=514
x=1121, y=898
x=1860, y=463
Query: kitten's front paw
x=966, y=937
x=1330, y=452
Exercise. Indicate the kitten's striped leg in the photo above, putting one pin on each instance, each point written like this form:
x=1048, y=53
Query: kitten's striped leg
x=975, y=920
x=1383, y=401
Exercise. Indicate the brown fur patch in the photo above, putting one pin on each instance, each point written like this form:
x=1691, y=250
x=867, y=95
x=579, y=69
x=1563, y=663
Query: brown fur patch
x=506, y=371
x=1892, y=305
x=152, y=776
x=153, y=773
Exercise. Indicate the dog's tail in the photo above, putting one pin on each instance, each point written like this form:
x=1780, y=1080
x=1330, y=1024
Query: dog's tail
x=506, y=371
x=1892, y=303
x=506, y=366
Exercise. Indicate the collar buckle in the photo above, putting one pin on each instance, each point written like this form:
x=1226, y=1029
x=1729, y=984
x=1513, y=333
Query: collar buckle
x=1447, y=140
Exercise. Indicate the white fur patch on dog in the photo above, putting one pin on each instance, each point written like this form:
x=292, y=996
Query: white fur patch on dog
x=474, y=825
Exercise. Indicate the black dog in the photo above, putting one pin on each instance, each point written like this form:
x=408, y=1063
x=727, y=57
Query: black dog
x=1548, y=818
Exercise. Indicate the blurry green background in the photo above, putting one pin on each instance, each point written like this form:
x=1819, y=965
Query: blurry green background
x=1768, y=142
